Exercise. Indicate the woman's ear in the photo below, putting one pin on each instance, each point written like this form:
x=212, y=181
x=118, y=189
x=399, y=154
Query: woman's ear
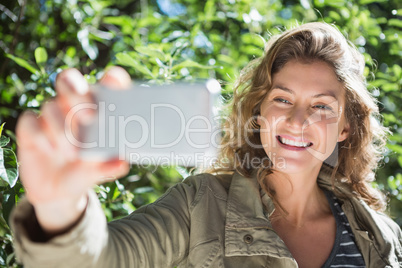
x=344, y=133
x=259, y=120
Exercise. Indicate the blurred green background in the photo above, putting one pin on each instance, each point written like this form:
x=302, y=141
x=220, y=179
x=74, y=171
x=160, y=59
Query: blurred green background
x=176, y=40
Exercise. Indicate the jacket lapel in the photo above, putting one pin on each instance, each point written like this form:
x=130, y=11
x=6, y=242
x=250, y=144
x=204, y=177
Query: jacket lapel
x=248, y=231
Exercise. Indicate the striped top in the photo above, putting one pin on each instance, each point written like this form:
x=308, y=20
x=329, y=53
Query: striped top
x=345, y=252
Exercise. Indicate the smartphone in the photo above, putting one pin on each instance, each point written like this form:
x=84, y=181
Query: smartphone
x=161, y=125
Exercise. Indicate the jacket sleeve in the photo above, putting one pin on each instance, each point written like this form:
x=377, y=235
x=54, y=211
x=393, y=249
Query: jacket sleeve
x=156, y=235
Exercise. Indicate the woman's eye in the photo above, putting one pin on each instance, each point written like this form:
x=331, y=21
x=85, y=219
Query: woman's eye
x=282, y=100
x=323, y=107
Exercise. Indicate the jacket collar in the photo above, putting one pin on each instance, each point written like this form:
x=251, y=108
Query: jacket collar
x=248, y=230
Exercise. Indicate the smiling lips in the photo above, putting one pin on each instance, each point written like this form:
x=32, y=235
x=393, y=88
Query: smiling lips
x=293, y=143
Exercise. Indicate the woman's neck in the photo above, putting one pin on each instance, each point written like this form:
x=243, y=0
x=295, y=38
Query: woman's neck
x=299, y=196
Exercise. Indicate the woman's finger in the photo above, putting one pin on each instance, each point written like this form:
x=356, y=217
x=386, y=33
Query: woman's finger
x=95, y=173
x=34, y=150
x=112, y=170
x=30, y=134
x=116, y=78
x=73, y=82
x=57, y=130
x=73, y=92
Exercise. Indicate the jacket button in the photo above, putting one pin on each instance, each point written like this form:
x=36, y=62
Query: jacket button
x=248, y=239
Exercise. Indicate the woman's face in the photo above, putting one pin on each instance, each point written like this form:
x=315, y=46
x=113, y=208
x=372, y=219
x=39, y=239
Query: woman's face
x=302, y=116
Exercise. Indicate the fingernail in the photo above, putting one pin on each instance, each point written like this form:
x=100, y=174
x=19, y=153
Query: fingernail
x=114, y=72
x=116, y=77
x=74, y=79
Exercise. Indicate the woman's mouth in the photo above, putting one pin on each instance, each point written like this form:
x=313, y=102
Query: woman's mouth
x=293, y=143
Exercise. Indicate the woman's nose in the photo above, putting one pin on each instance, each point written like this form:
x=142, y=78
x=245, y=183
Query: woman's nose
x=297, y=118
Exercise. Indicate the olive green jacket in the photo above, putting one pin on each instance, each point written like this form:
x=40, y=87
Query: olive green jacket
x=201, y=222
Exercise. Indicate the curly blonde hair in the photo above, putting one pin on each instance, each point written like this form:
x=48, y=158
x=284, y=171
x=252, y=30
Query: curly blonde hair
x=358, y=155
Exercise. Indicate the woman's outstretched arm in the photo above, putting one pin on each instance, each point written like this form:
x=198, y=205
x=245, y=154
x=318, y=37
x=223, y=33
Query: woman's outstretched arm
x=60, y=222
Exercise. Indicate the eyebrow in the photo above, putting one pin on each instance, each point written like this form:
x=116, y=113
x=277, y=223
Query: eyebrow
x=328, y=93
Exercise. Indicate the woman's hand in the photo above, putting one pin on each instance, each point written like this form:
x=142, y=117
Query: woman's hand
x=56, y=180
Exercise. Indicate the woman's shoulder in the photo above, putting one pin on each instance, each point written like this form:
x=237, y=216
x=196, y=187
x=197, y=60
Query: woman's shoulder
x=383, y=221
x=218, y=181
x=370, y=227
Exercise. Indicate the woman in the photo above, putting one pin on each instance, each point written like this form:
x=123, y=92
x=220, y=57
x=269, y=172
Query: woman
x=271, y=201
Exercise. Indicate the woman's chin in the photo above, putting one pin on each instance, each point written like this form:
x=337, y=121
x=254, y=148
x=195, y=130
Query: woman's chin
x=295, y=166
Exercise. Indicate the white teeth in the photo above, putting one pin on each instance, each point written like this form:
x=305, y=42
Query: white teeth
x=294, y=143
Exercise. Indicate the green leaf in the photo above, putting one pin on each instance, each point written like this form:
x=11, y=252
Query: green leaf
x=10, y=257
x=119, y=20
x=392, y=183
x=142, y=190
x=1, y=128
x=397, y=70
x=366, y=2
x=8, y=166
x=389, y=118
x=154, y=53
x=395, y=147
x=400, y=161
x=8, y=203
x=379, y=82
x=3, y=257
x=4, y=141
x=40, y=55
x=226, y=59
x=190, y=63
x=252, y=38
x=87, y=44
x=125, y=59
x=335, y=3
x=335, y=15
x=23, y=63
x=390, y=87
x=395, y=22
x=11, y=134
x=381, y=20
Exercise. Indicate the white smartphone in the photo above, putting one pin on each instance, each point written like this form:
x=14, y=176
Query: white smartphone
x=174, y=124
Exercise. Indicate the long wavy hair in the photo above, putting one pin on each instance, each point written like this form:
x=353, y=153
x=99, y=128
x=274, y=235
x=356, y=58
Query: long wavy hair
x=358, y=155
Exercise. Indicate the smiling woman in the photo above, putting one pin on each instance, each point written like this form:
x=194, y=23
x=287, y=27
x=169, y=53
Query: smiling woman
x=301, y=121
x=302, y=116
x=313, y=64
x=273, y=199
x=305, y=105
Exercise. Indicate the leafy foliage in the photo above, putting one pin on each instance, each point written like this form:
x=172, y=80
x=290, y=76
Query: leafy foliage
x=185, y=39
